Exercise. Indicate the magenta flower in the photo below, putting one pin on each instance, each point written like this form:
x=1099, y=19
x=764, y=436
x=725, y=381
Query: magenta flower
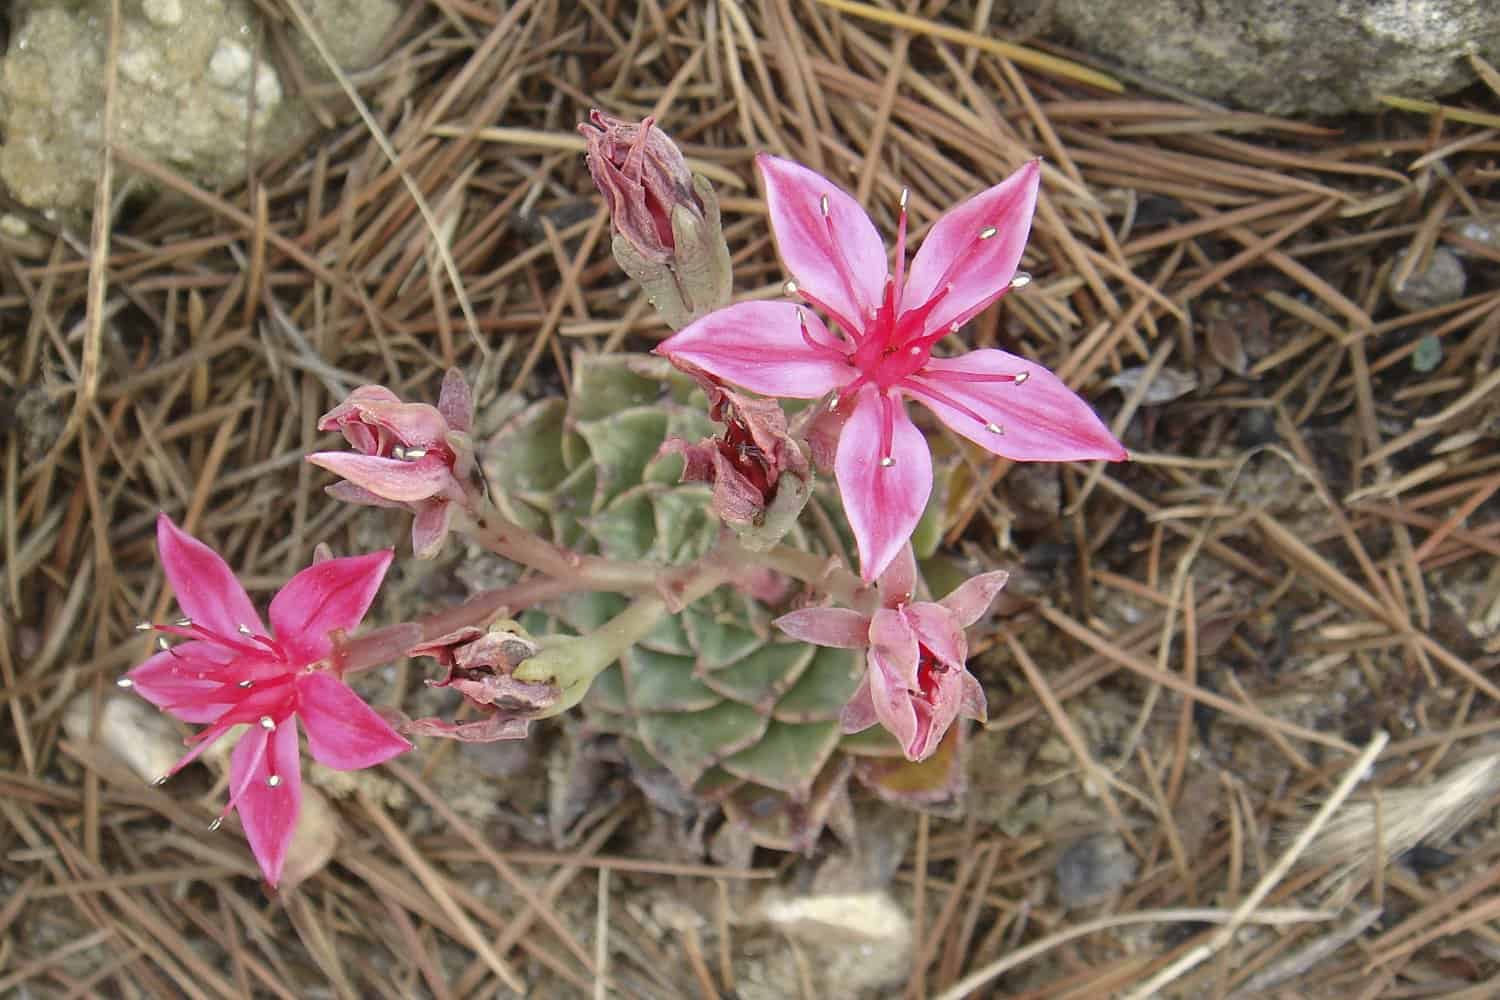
x=408, y=455
x=917, y=682
x=233, y=671
x=889, y=325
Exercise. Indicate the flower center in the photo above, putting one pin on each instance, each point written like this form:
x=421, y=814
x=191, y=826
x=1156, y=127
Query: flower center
x=929, y=673
x=739, y=446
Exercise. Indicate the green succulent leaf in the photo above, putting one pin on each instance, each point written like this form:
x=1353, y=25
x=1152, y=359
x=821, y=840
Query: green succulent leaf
x=718, y=638
x=758, y=679
x=824, y=688
x=661, y=682
x=689, y=743
x=787, y=757
x=621, y=446
x=627, y=528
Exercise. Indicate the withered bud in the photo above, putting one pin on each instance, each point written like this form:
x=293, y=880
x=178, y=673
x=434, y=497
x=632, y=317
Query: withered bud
x=760, y=476
x=480, y=663
x=668, y=235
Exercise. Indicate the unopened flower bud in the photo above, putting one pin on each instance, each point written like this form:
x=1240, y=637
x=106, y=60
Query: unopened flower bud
x=480, y=665
x=668, y=235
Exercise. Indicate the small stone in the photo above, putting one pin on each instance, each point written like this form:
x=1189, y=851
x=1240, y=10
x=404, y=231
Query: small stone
x=1440, y=282
x=14, y=225
x=1093, y=869
x=1428, y=355
x=230, y=64
x=857, y=941
x=163, y=13
x=1167, y=385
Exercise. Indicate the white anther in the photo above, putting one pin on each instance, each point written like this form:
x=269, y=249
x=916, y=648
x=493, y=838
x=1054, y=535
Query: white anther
x=905, y=194
x=1022, y=377
x=161, y=780
x=994, y=428
x=266, y=722
x=1021, y=280
x=987, y=232
x=183, y=623
x=244, y=684
x=887, y=462
x=823, y=203
x=216, y=824
x=125, y=682
x=243, y=630
x=790, y=288
x=144, y=626
x=161, y=643
x=274, y=780
x=914, y=351
x=412, y=454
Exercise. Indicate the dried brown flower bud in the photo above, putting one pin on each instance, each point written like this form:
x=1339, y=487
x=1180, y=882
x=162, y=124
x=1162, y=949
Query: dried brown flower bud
x=480, y=663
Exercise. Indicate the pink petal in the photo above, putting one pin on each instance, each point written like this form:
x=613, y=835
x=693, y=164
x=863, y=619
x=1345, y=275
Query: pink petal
x=333, y=594
x=859, y=713
x=893, y=644
x=898, y=583
x=269, y=813
x=893, y=704
x=971, y=599
x=349, y=493
x=343, y=732
x=430, y=527
x=1040, y=419
x=455, y=401
x=388, y=478
x=939, y=631
x=977, y=269
x=838, y=259
x=971, y=700
x=883, y=502
x=838, y=627
x=207, y=591
x=759, y=345
x=170, y=680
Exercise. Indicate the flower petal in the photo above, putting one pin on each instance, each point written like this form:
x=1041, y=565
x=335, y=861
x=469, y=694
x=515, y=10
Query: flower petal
x=939, y=631
x=1040, y=418
x=858, y=713
x=268, y=812
x=971, y=599
x=883, y=502
x=207, y=591
x=971, y=700
x=893, y=703
x=838, y=627
x=430, y=527
x=455, y=401
x=390, y=478
x=957, y=252
x=895, y=643
x=187, y=679
x=898, y=581
x=836, y=257
x=333, y=594
x=759, y=345
x=342, y=731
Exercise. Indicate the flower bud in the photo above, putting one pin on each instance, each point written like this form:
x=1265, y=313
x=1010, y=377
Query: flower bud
x=480, y=664
x=668, y=235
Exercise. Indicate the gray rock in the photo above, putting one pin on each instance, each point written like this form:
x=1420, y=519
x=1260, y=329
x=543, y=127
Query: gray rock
x=1442, y=281
x=1290, y=56
x=1092, y=869
x=189, y=90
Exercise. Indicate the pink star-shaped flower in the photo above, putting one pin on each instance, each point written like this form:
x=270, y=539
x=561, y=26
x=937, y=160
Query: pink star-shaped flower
x=889, y=325
x=233, y=671
x=917, y=682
